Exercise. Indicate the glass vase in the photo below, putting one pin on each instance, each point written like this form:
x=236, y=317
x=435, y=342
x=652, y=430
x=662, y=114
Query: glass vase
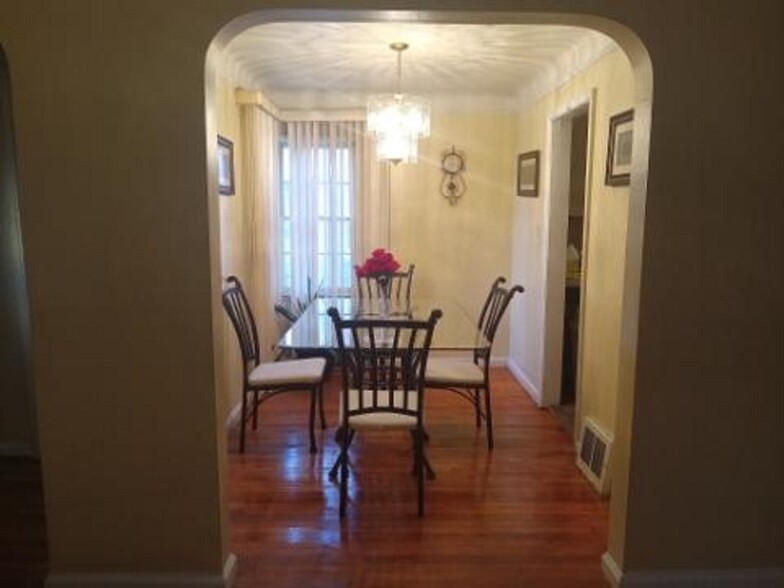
x=384, y=282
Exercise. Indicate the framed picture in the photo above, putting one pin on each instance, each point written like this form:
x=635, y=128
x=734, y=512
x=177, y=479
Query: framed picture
x=225, y=166
x=619, y=149
x=528, y=174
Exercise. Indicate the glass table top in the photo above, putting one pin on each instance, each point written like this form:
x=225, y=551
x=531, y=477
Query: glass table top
x=314, y=331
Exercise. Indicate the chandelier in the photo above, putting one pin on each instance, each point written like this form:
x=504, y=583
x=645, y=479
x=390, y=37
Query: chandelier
x=398, y=120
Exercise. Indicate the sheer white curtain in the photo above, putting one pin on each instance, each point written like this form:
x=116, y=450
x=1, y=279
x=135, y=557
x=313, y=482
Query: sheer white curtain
x=373, y=205
x=335, y=205
x=260, y=137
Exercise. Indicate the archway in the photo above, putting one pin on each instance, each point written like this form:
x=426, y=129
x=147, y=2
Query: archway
x=642, y=68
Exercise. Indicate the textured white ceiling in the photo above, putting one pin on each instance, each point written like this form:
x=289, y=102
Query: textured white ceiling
x=328, y=65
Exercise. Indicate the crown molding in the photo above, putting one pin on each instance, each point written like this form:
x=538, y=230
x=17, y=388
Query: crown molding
x=587, y=51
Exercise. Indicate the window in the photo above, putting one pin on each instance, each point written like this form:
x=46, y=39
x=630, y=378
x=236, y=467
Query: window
x=316, y=220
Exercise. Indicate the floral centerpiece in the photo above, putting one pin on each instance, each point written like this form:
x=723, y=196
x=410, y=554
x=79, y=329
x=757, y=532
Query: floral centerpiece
x=380, y=266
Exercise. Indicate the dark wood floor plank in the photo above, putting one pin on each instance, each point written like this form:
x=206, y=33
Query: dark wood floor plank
x=519, y=516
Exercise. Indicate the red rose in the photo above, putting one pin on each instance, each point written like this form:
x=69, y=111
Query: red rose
x=380, y=262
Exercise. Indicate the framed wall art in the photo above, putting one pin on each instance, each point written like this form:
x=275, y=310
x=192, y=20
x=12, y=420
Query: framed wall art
x=225, y=166
x=528, y=174
x=619, y=149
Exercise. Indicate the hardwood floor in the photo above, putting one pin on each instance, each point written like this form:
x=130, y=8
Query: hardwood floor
x=519, y=516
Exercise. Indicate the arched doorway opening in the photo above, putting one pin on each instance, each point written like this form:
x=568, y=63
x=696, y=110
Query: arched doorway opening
x=634, y=216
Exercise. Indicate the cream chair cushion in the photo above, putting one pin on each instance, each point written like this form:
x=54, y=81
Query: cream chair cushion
x=280, y=373
x=381, y=419
x=449, y=370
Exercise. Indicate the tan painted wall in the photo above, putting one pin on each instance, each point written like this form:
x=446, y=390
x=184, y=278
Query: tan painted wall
x=116, y=215
x=113, y=198
x=611, y=77
x=458, y=250
x=234, y=255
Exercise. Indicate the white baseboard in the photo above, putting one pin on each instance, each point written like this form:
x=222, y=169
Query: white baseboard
x=16, y=450
x=524, y=381
x=229, y=570
x=612, y=573
x=731, y=578
x=88, y=580
x=234, y=414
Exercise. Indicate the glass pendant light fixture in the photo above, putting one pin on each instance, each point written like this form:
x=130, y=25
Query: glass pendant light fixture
x=398, y=120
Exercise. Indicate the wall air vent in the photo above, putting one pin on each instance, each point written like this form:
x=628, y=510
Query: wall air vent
x=593, y=455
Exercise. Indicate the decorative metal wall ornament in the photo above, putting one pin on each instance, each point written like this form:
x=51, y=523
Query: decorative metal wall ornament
x=453, y=165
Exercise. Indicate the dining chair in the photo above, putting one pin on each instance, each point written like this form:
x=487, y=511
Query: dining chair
x=399, y=288
x=470, y=377
x=264, y=380
x=383, y=362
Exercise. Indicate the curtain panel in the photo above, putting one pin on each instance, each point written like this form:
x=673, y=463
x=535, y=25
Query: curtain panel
x=260, y=136
x=339, y=204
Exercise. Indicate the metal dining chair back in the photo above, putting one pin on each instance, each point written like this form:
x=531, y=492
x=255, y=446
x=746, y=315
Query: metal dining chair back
x=368, y=287
x=383, y=364
x=493, y=311
x=470, y=378
x=264, y=380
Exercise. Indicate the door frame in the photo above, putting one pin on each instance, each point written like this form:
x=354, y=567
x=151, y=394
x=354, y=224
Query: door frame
x=558, y=145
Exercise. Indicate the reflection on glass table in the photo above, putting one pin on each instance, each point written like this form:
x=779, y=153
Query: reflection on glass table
x=313, y=331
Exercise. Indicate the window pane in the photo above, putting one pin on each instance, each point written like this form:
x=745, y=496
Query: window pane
x=323, y=237
x=326, y=193
x=346, y=244
x=323, y=205
x=346, y=194
x=322, y=269
x=285, y=172
x=285, y=236
x=343, y=154
x=346, y=271
x=285, y=199
x=286, y=270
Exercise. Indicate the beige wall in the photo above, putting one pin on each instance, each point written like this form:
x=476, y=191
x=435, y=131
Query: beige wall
x=233, y=240
x=115, y=216
x=458, y=249
x=609, y=80
x=117, y=247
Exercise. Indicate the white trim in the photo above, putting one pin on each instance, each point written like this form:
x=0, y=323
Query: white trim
x=234, y=414
x=524, y=381
x=17, y=450
x=555, y=197
x=229, y=570
x=556, y=211
x=730, y=578
x=131, y=580
x=612, y=573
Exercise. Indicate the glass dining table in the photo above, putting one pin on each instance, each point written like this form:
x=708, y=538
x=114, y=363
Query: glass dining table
x=313, y=333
